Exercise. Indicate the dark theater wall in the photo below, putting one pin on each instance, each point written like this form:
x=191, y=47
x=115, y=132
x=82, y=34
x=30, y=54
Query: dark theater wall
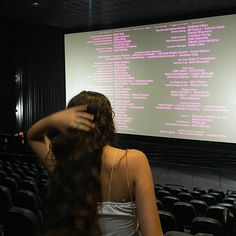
x=41, y=68
x=32, y=75
x=221, y=178
x=7, y=80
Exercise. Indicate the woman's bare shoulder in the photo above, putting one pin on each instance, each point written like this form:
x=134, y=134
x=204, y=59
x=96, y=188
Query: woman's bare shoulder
x=132, y=155
x=136, y=158
x=136, y=154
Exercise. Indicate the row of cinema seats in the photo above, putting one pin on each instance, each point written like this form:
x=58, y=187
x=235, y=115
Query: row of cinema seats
x=176, y=233
x=196, y=211
x=23, y=187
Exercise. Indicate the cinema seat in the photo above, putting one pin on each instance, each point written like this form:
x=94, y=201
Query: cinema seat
x=200, y=207
x=27, y=199
x=224, y=216
x=209, y=199
x=168, y=221
x=159, y=205
x=196, y=195
x=184, y=214
x=177, y=233
x=162, y=193
x=5, y=200
x=20, y=222
x=207, y=225
x=168, y=202
x=185, y=197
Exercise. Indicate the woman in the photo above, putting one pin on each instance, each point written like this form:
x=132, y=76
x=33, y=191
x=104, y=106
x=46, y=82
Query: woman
x=88, y=170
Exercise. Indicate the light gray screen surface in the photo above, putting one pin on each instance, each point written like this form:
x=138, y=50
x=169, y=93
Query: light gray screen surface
x=174, y=79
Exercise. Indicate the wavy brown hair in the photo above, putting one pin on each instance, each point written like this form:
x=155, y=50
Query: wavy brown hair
x=75, y=185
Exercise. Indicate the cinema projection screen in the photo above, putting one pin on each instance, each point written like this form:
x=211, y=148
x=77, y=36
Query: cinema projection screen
x=175, y=79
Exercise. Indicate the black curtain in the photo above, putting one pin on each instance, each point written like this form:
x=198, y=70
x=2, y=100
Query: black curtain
x=40, y=70
x=7, y=80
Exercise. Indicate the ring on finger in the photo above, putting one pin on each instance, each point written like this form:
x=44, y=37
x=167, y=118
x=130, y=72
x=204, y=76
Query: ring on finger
x=79, y=120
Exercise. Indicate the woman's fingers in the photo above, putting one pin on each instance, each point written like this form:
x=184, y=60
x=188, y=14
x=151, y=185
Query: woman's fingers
x=85, y=121
x=85, y=116
x=80, y=119
x=82, y=126
x=81, y=112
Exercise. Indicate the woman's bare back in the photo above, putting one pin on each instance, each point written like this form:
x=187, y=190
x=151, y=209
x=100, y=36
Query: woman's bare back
x=116, y=176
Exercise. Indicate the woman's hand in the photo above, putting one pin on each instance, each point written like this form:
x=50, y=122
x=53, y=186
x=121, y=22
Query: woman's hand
x=63, y=121
x=73, y=118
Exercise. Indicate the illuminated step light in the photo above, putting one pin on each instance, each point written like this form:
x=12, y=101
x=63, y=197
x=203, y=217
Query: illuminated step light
x=35, y=4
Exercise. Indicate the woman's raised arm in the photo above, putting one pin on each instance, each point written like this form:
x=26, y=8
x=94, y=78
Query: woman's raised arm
x=62, y=121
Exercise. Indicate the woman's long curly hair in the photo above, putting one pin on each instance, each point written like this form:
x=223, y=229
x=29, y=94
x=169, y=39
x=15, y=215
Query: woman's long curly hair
x=75, y=184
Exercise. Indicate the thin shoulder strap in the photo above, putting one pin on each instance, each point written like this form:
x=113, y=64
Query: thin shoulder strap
x=111, y=176
x=136, y=222
x=127, y=176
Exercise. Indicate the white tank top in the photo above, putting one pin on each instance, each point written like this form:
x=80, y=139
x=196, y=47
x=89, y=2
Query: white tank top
x=117, y=218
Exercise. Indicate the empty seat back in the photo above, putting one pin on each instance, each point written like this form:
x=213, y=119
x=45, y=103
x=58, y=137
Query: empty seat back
x=162, y=193
x=185, y=197
x=230, y=200
x=217, y=196
x=27, y=199
x=207, y=225
x=184, y=213
x=175, y=192
x=177, y=233
x=159, y=205
x=200, y=207
x=20, y=221
x=5, y=200
x=11, y=184
x=229, y=206
x=196, y=195
x=224, y=216
x=168, y=221
x=168, y=202
x=209, y=199
x=201, y=190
